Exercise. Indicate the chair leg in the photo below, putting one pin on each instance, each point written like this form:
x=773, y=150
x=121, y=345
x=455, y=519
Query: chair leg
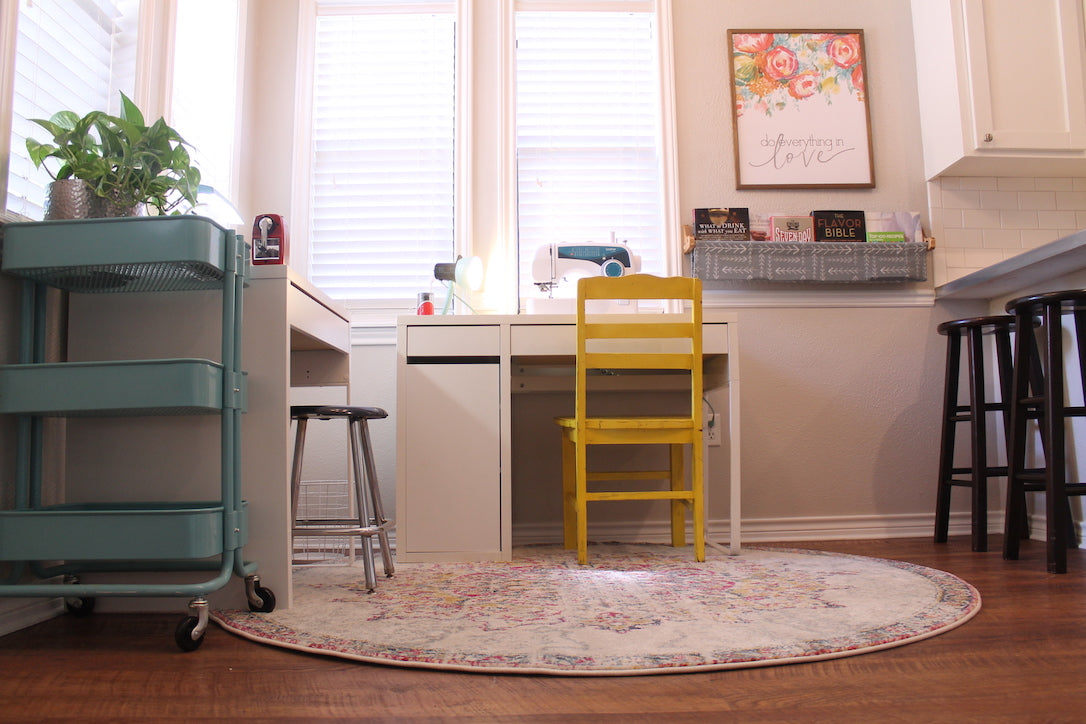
x=697, y=486
x=1025, y=375
x=569, y=483
x=678, y=508
x=580, y=505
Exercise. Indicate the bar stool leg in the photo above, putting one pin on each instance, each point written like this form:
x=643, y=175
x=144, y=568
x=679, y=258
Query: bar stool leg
x=1055, y=472
x=362, y=503
x=296, y=475
x=364, y=442
x=1026, y=367
x=946, y=452
x=978, y=439
x=1004, y=359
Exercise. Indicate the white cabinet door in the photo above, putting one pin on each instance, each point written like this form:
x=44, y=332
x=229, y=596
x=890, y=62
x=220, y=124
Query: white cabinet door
x=450, y=496
x=1000, y=85
x=1025, y=64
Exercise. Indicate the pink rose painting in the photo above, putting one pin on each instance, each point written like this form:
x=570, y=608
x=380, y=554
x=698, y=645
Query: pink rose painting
x=774, y=70
x=800, y=109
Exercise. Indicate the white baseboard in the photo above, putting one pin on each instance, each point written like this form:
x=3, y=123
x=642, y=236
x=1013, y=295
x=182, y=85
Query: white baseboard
x=765, y=530
x=19, y=613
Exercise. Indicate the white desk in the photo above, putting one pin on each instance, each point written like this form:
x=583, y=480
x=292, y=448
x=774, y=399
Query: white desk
x=456, y=377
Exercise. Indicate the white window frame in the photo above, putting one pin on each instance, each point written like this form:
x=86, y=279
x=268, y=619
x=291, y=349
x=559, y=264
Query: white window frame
x=485, y=165
x=154, y=72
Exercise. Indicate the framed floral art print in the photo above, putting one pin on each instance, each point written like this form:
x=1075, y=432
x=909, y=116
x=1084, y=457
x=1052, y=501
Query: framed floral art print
x=800, y=109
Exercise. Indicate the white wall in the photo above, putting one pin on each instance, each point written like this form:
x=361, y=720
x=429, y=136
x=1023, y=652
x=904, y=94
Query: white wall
x=840, y=403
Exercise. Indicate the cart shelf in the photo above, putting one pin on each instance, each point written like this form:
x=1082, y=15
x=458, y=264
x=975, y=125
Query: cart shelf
x=118, y=531
x=125, y=387
x=172, y=253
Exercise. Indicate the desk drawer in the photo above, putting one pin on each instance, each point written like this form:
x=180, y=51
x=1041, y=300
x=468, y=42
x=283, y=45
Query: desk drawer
x=542, y=339
x=561, y=339
x=458, y=340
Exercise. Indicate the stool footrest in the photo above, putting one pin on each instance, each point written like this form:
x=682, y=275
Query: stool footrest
x=345, y=530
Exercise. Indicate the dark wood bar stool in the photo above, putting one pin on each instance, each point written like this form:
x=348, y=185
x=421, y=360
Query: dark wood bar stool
x=370, y=521
x=1048, y=405
x=974, y=476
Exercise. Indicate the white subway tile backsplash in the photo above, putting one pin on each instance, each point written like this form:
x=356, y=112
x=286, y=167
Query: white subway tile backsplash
x=975, y=182
x=999, y=199
x=962, y=238
x=1071, y=200
x=1059, y=220
x=961, y=199
x=981, y=218
x=1037, y=200
x=1016, y=184
x=1018, y=219
x=1055, y=184
x=1002, y=239
x=979, y=221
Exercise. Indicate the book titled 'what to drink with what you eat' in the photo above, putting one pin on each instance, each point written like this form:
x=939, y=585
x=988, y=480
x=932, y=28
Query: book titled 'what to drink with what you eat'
x=718, y=224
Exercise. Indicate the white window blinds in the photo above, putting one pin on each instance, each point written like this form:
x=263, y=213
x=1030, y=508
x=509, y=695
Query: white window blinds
x=205, y=86
x=588, y=90
x=69, y=56
x=381, y=191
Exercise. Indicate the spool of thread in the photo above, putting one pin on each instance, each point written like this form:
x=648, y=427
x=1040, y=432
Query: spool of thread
x=425, y=304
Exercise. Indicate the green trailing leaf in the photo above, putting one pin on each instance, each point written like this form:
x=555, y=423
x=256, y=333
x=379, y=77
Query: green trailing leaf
x=120, y=157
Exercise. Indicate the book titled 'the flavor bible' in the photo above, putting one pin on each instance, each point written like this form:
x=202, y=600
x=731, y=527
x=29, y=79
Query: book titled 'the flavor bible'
x=839, y=225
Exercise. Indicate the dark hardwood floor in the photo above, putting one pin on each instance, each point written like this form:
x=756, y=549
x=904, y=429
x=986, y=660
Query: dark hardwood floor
x=1022, y=659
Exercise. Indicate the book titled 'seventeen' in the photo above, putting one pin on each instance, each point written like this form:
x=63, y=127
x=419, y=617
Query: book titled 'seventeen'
x=791, y=228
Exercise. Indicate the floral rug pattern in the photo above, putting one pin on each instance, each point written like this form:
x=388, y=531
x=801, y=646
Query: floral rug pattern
x=635, y=609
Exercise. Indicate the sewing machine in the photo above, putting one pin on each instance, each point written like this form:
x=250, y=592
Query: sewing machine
x=563, y=261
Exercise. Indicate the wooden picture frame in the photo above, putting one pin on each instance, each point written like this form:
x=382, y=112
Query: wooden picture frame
x=800, y=112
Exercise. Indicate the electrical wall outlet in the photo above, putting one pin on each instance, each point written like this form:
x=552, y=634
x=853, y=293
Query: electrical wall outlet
x=712, y=429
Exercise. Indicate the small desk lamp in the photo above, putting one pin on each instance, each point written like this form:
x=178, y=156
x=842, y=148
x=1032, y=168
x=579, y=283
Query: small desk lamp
x=466, y=272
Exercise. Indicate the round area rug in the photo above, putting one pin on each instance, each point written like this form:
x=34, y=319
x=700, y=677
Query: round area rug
x=634, y=609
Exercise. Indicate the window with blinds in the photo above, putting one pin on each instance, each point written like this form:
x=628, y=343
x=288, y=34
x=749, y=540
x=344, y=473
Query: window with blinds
x=382, y=153
x=588, y=164
x=204, y=100
x=587, y=89
x=69, y=55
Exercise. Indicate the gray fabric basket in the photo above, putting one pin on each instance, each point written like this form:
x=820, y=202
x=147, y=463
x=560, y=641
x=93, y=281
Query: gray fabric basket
x=820, y=261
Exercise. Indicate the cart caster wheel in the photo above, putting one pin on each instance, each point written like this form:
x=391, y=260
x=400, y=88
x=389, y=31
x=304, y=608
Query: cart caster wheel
x=183, y=634
x=79, y=606
x=267, y=600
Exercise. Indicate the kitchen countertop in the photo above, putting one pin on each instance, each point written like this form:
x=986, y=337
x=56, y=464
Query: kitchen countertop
x=1027, y=269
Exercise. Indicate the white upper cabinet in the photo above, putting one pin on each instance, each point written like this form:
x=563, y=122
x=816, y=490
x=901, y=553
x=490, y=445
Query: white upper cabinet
x=1001, y=86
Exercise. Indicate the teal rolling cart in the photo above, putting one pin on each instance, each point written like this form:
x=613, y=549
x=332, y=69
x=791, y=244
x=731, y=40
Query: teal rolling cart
x=50, y=546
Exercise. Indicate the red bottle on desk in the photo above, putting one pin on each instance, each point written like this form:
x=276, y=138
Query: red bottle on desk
x=269, y=239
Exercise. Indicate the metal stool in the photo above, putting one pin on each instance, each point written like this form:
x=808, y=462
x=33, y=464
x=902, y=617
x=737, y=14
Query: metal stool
x=1048, y=405
x=972, y=330
x=371, y=520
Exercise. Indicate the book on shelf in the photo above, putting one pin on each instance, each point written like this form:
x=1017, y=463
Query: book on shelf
x=885, y=236
x=791, y=228
x=722, y=224
x=891, y=226
x=839, y=225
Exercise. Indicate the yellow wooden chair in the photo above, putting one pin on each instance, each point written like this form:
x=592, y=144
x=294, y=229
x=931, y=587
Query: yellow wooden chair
x=636, y=343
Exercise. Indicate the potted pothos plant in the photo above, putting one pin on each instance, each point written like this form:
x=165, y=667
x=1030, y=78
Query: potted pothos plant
x=123, y=163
